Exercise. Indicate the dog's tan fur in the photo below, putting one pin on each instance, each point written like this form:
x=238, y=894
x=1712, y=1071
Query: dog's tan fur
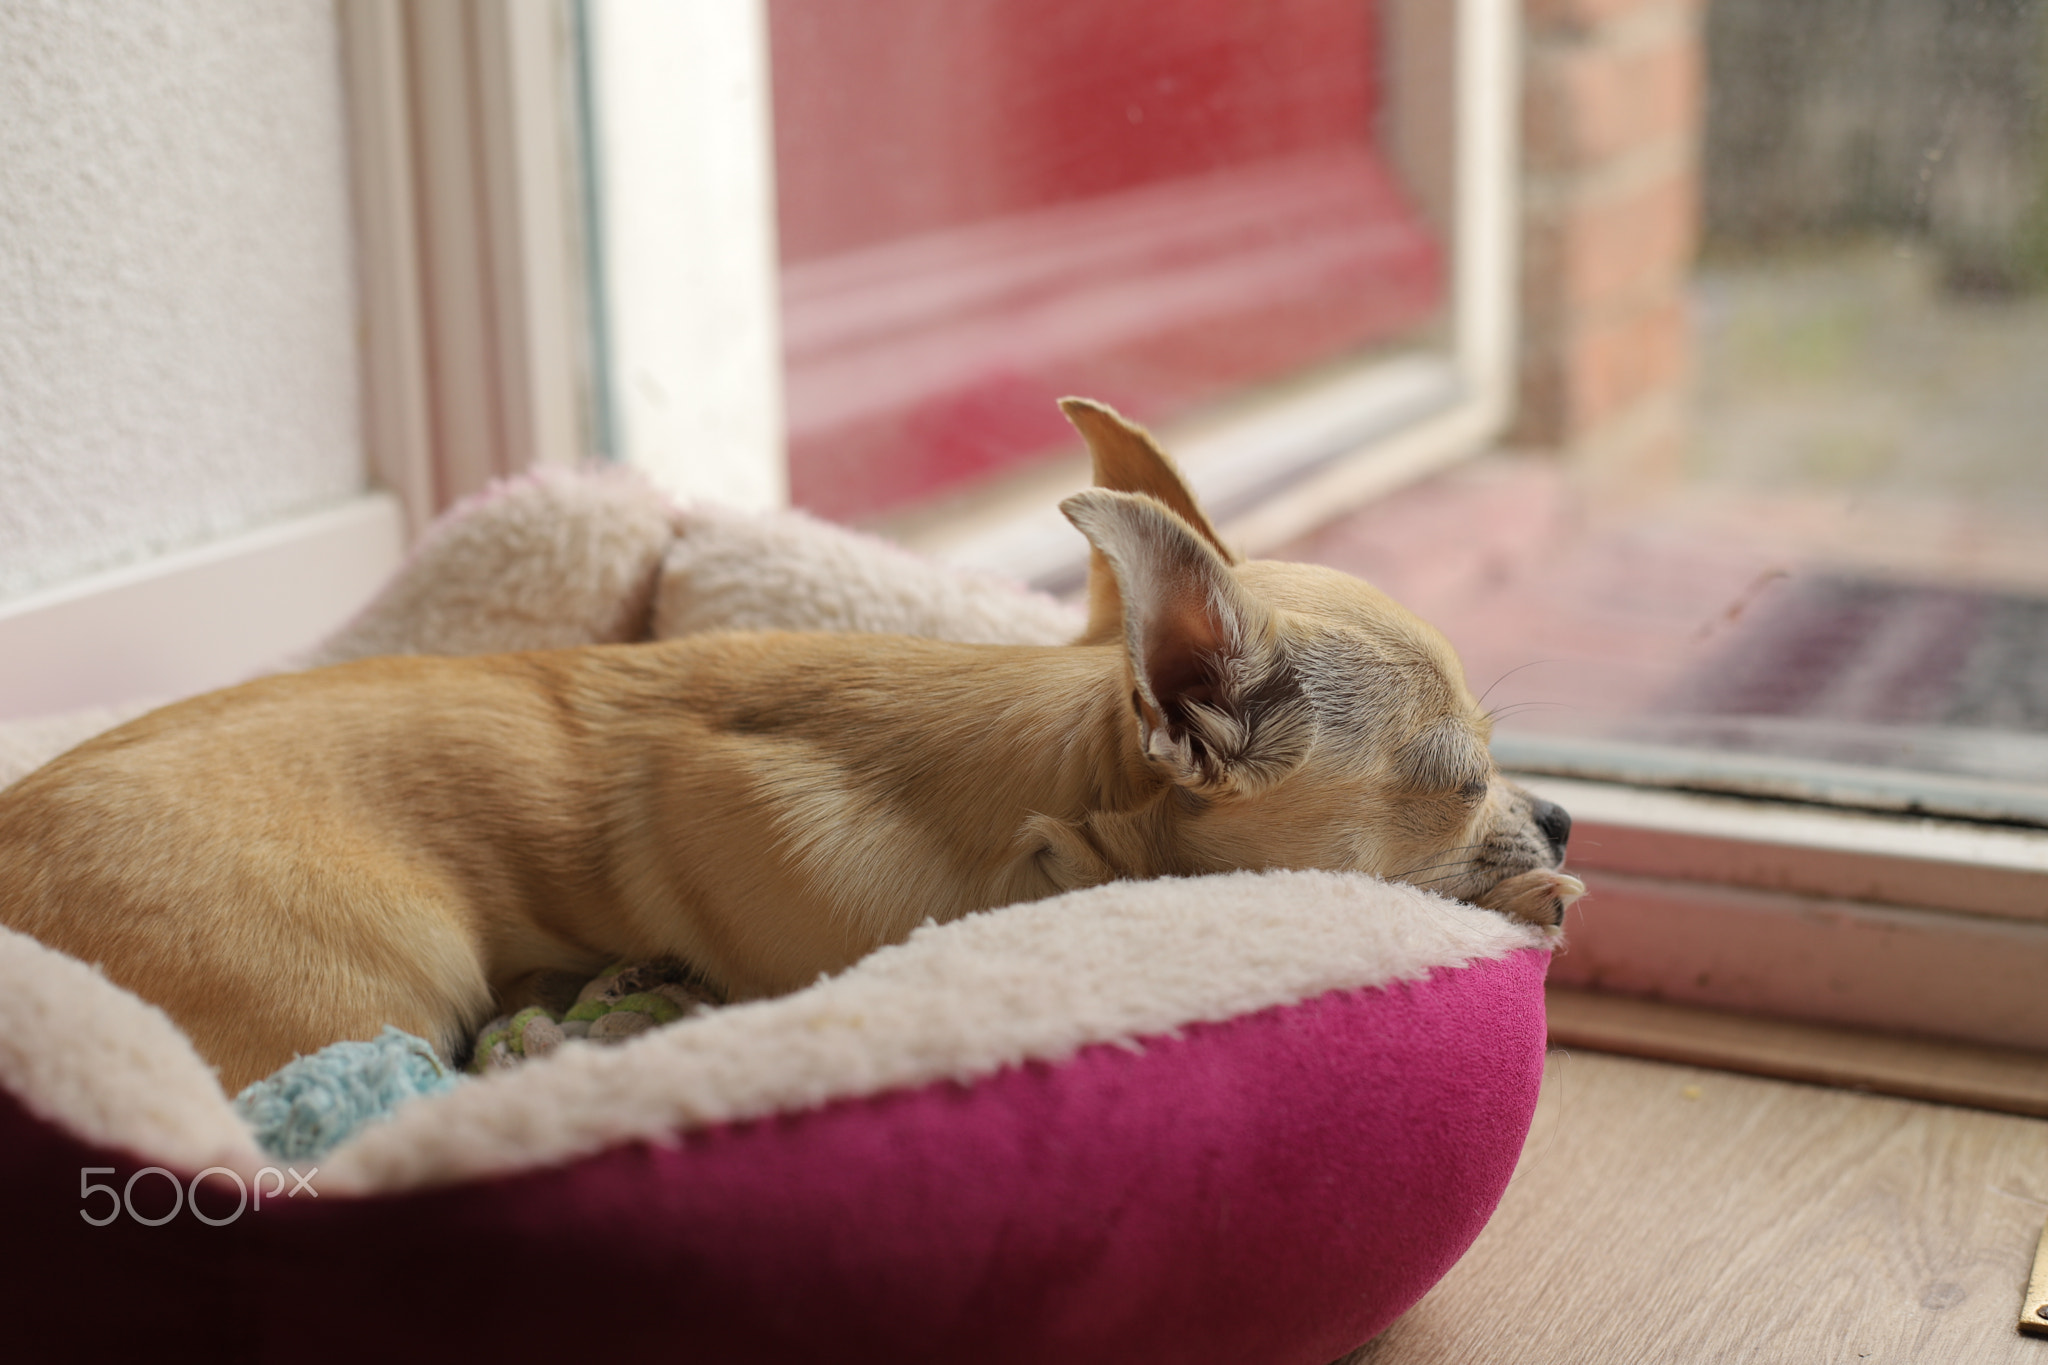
x=418, y=841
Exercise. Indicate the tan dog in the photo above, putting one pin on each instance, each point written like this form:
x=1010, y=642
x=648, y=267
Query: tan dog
x=424, y=841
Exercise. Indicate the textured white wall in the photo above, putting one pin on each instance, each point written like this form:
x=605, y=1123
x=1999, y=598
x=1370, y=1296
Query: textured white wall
x=177, y=313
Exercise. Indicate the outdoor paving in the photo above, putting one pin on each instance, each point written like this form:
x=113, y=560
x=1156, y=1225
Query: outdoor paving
x=1853, y=559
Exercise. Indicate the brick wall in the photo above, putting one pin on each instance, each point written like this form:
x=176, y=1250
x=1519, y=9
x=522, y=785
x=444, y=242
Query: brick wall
x=1611, y=208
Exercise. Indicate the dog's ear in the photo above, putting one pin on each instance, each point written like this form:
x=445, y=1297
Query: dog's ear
x=1219, y=707
x=1128, y=460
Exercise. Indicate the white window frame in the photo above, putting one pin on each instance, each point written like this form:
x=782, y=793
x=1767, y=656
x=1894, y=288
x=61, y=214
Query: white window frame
x=1855, y=919
x=684, y=184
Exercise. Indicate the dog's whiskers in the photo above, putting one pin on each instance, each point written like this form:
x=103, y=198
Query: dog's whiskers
x=1510, y=708
x=1431, y=867
x=1509, y=674
x=1470, y=863
x=1454, y=866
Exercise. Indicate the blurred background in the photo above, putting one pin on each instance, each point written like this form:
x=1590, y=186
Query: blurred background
x=1792, y=536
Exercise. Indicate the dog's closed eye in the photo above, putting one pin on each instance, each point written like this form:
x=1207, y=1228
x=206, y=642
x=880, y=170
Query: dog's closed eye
x=1446, y=758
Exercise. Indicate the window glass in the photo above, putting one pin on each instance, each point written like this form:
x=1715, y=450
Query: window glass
x=1830, y=578
x=985, y=206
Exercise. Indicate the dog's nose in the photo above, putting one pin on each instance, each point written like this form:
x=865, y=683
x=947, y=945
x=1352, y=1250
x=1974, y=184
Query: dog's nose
x=1555, y=822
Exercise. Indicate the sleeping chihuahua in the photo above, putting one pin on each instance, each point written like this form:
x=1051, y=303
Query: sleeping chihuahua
x=427, y=841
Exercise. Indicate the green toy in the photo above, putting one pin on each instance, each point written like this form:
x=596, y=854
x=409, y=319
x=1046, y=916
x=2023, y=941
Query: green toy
x=624, y=1001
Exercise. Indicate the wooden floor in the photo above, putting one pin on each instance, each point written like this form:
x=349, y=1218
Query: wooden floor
x=1668, y=1214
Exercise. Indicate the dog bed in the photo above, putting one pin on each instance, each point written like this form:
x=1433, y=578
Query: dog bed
x=1239, y=1118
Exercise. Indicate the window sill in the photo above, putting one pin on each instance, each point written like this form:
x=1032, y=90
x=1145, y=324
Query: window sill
x=197, y=618
x=1888, y=953
x=2007, y=1080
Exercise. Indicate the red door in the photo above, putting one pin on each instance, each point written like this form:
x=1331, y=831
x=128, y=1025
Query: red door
x=987, y=204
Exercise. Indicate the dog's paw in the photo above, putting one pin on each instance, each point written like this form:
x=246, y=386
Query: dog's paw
x=1537, y=897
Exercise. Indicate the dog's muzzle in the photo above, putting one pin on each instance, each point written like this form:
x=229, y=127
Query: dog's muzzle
x=1555, y=822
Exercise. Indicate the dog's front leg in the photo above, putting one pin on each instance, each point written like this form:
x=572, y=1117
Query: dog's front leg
x=1538, y=896
x=1064, y=855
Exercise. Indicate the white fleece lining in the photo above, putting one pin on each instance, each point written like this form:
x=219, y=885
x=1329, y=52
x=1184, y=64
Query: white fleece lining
x=1036, y=982
x=789, y=571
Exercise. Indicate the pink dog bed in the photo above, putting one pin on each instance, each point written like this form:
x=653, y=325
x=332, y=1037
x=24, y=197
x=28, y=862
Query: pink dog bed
x=1244, y=1118
x=1276, y=1185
